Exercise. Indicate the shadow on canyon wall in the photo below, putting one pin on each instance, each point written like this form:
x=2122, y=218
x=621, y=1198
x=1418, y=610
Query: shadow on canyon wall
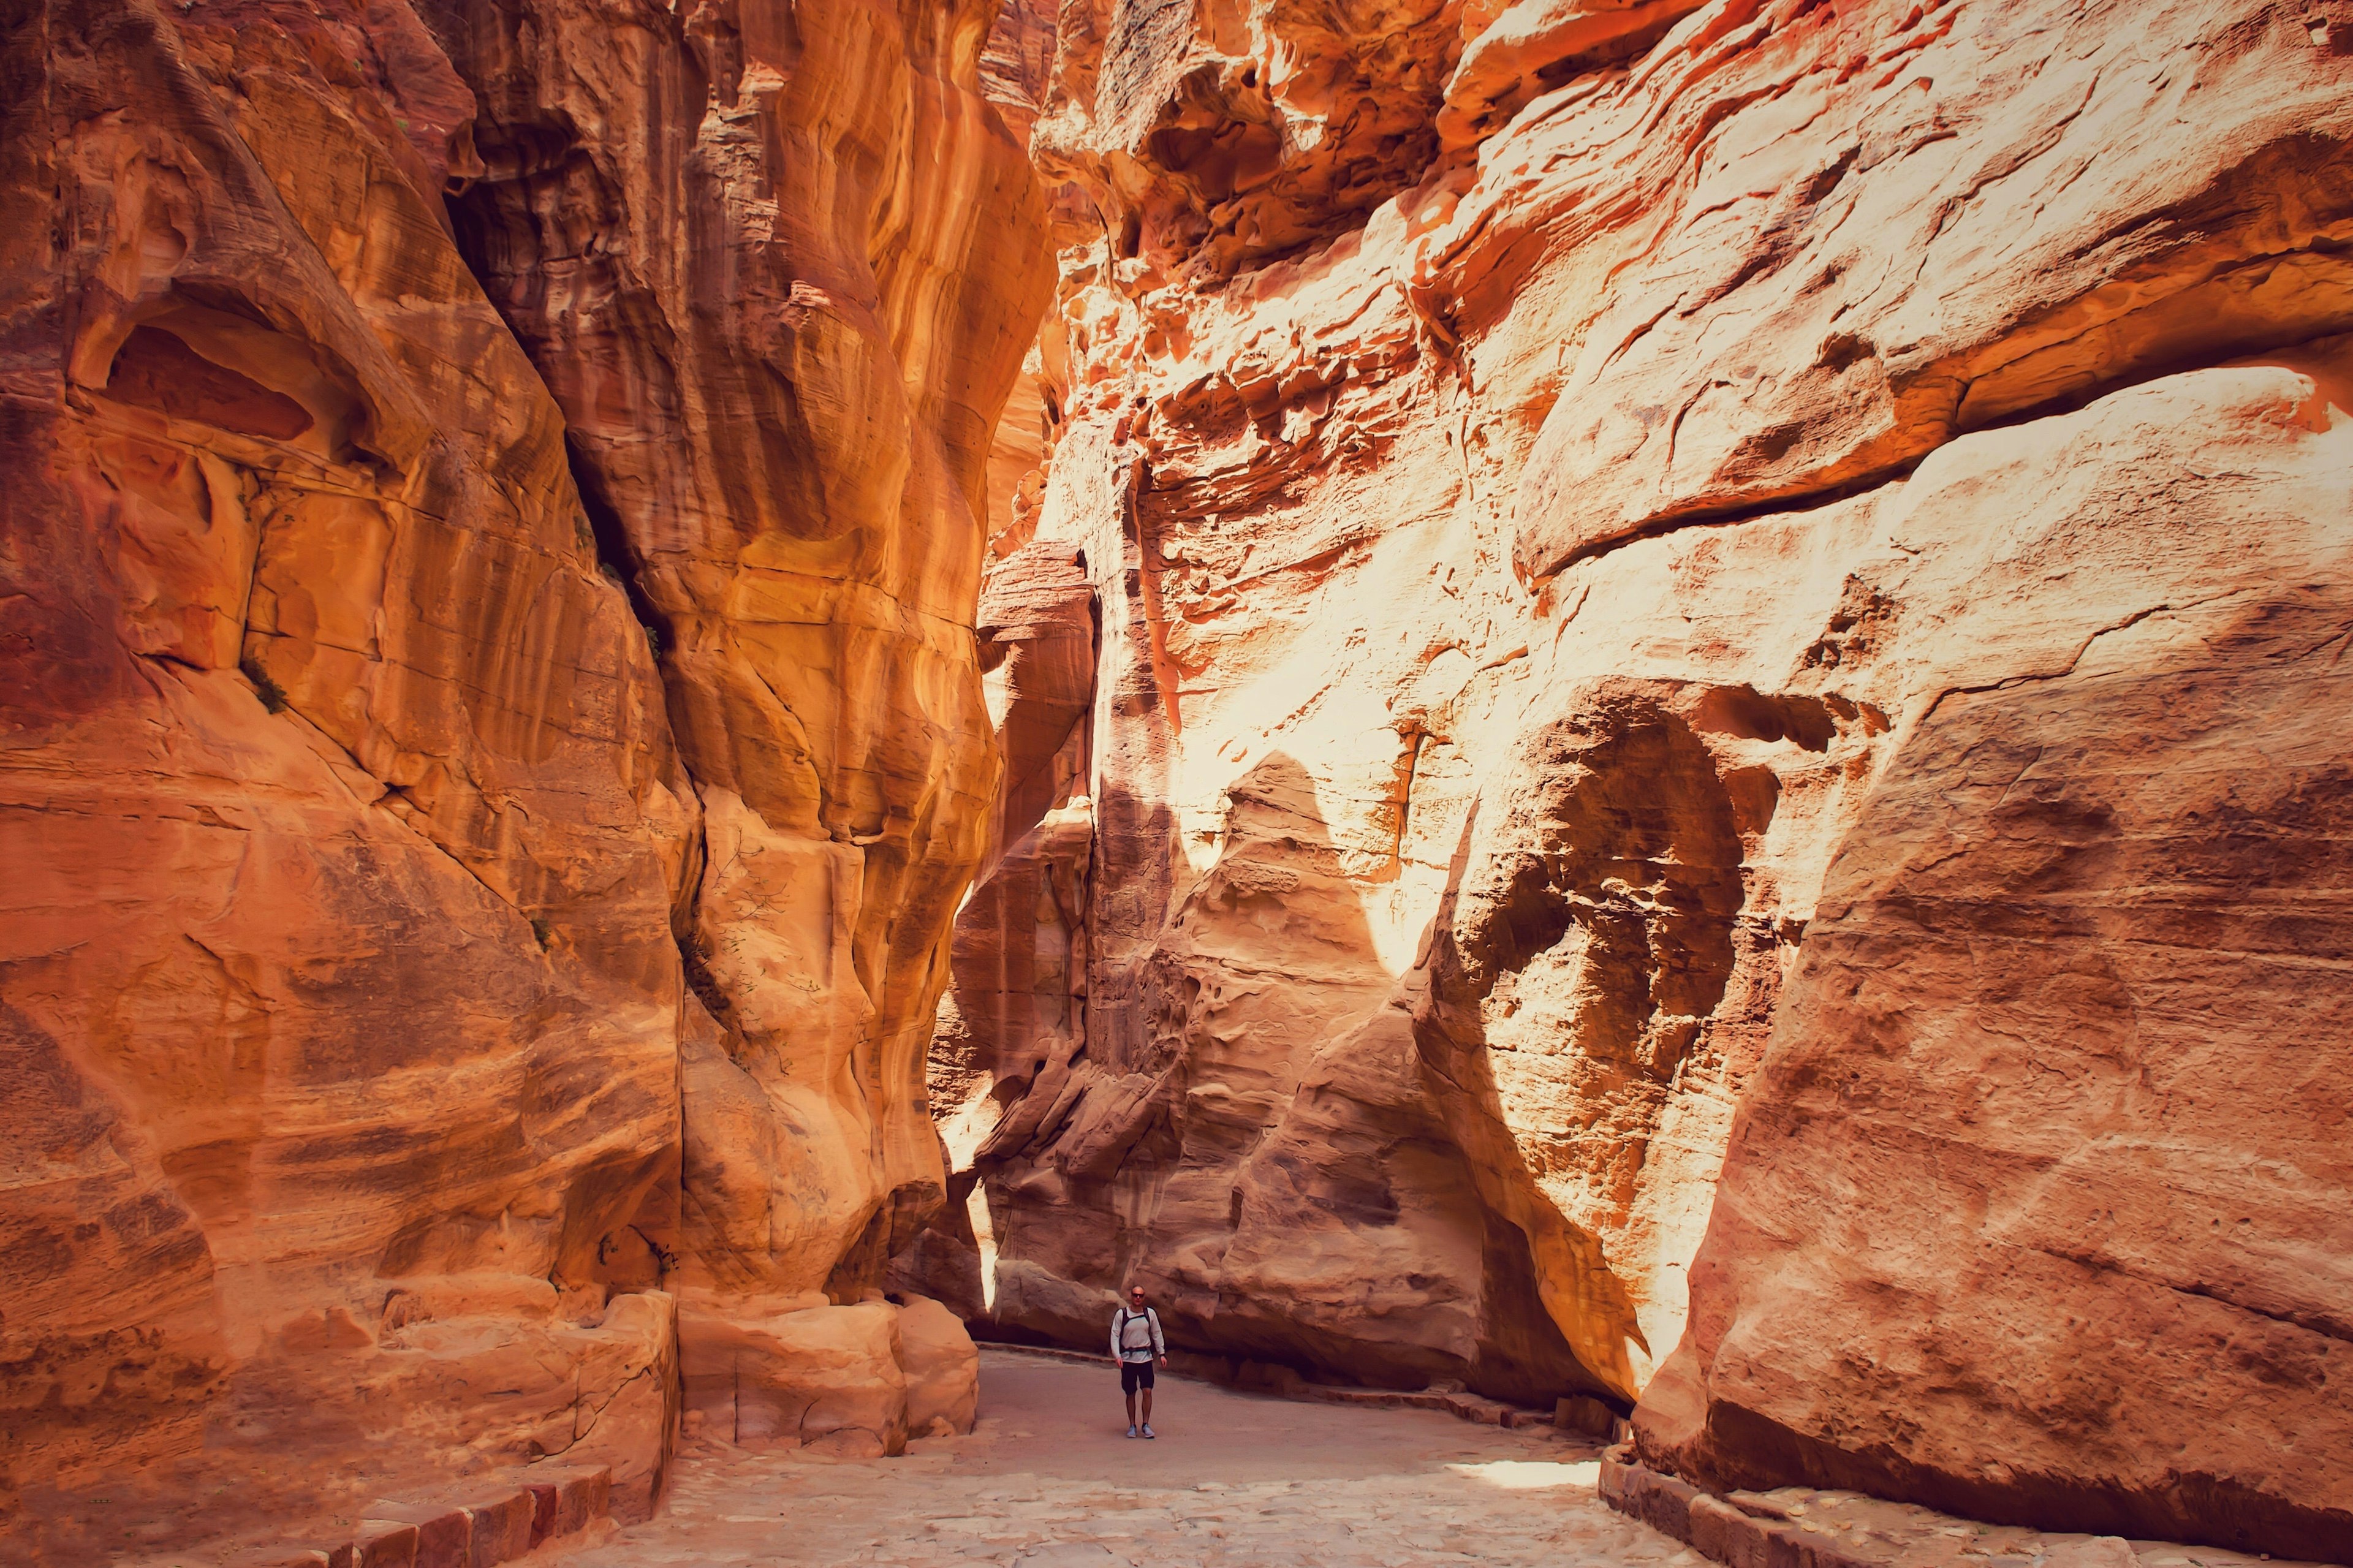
x=1310, y=1161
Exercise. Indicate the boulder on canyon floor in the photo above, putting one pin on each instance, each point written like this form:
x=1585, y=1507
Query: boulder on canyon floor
x=1658, y=568
x=855, y=1381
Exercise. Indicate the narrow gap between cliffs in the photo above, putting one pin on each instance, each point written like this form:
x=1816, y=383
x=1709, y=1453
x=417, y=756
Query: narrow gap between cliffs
x=616, y=560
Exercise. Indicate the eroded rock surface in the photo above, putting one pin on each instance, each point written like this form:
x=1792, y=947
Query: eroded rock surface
x=1653, y=568
x=779, y=366
x=493, y=737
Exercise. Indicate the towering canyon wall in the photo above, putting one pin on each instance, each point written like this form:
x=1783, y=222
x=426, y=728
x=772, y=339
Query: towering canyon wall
x=1672, y=709
x=488, y=529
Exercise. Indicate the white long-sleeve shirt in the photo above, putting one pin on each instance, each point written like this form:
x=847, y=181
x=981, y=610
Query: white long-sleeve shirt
x=1120, y=1320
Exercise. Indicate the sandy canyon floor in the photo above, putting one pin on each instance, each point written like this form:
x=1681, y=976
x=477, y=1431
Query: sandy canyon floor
x=1046, y=1479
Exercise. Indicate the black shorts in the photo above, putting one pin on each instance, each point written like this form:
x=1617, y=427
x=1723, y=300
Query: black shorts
x=1134, y=1375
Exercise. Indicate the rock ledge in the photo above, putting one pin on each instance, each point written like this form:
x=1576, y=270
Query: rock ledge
x=1802, y=1527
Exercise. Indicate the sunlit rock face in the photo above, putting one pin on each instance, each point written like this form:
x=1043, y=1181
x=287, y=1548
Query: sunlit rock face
x=1669, y=700
x=780, y=358
x=488, y=537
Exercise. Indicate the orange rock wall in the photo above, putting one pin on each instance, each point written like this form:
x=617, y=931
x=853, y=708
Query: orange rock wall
x=1669, y=696
x=488, y=535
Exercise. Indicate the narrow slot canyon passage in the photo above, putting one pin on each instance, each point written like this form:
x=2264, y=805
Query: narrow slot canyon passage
x=1612, y=733
x=1046, y=1480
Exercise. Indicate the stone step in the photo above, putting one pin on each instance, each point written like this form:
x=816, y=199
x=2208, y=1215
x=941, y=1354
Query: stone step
x=470, y=1526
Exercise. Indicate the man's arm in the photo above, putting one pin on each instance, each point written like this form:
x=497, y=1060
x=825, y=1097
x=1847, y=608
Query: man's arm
x=1115, y=1334
x=1159, y=1345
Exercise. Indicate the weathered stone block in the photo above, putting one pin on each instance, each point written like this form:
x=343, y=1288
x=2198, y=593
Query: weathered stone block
x=1583, y=1412
x=795, y=1377
x=565, y=1498
x=942, y=1366
x=499, y=1524
x=384, y=1543
x=444, y=1530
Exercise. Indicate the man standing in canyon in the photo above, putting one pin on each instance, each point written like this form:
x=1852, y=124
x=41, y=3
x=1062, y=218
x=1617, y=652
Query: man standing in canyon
x=1136, y=1344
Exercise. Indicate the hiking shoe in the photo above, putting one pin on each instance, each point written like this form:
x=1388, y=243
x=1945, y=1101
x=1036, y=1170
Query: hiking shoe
x=1150, y=1433
x=1131, y=1431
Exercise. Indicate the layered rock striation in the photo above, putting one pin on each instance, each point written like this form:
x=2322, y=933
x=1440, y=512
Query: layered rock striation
x=1669, y=695
x=493, y=742
x=780, y=365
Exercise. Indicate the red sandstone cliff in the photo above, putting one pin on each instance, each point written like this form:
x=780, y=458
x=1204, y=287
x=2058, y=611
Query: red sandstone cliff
x=489, y=530
x=1671, y=695
x=1667, y=674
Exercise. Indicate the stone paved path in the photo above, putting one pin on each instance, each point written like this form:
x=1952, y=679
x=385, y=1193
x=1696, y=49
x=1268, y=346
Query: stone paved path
x=1047, y=1481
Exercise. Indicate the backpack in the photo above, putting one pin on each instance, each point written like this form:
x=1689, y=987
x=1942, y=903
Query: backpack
x=1126, y=1318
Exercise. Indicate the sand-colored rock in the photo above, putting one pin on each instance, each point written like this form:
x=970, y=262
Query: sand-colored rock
x=1519, y=567
x=856, y=1380
x=805, y=1375
x=943, y=1368
x=488, y=539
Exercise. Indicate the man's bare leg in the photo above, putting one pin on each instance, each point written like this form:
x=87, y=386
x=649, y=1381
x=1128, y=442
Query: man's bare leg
x=1148, y=1409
